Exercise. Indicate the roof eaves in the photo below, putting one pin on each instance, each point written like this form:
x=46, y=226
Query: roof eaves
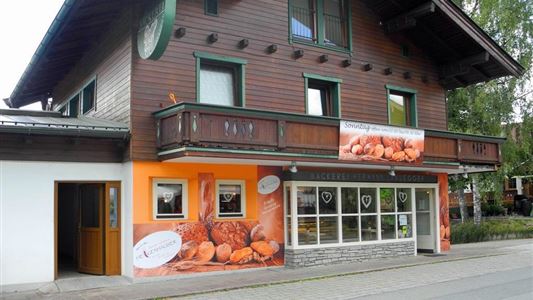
x=50, y=34
x=480, y=36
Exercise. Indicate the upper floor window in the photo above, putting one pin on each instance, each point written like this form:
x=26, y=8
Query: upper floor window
x=322, y=95
x=83, y=101
x=323, y=22
x=88, y=96
x=402, y=106
x=211, y=7
x=220, y=79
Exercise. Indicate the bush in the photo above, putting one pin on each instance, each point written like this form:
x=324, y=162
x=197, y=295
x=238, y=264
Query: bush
x=492, y=209
x=490, y=230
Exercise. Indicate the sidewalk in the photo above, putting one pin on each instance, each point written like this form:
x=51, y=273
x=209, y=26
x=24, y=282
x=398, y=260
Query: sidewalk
x=120, y=288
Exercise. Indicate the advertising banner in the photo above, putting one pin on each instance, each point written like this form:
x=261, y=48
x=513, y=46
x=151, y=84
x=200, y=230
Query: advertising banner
x=214, y=244
x=380, y=143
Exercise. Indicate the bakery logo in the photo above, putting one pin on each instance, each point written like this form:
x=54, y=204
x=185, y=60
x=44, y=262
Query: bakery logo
x=326, y=197
x=268, y=184
x=402, y=196
x=168, y=196
x=156, y=249
x=227, y=197
x=366, y=200
x=155, y=28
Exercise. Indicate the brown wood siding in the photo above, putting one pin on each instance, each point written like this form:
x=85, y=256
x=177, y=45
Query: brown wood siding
x=110, y=62
x=274, y=81
x=60, y=148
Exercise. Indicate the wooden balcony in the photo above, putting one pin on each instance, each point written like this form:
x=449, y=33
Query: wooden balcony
x=234, y=132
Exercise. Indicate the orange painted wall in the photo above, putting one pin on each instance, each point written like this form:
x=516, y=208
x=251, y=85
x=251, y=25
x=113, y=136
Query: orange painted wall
x=144, y=172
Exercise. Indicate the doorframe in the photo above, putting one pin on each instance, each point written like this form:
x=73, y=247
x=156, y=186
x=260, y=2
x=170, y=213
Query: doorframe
x=435, y=220
x=56, y=216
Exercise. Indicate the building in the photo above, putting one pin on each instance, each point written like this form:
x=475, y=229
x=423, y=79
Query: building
x=186, y=135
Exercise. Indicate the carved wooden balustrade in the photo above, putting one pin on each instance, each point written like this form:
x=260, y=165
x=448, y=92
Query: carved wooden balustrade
x=216, y=129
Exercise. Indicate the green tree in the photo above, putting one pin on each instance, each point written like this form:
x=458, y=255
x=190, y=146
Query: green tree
x=486, y=108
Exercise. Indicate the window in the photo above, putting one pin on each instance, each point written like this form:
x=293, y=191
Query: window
x=288, y=214
x=511, y=184
x=220, y=79
x=83, y=101
x=88, y=96
x=231, y=199
x=169, y=198
x=402, y=106
x=322, y=22
x=211, y=7
x=74, y=106
x=322, y=95
x=349, y=214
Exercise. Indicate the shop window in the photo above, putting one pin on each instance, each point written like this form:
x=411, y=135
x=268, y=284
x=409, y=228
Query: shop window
x=322, y=95
x=321, y=22
x=220, y=79
x=88, y=97
x=356, y=213
x=317, y=215
x=231, y=199
x=211, y=7
x=170, y=198
x=401, y=106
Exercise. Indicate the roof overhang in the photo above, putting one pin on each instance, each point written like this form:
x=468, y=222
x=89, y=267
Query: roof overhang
x=76, y=28
x=464, y=53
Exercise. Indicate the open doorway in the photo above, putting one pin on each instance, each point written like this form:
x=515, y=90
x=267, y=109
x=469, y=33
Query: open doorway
x=87, y=229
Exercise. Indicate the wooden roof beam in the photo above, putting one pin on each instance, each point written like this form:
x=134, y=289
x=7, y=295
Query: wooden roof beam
x=408, y=20
x=463, y=66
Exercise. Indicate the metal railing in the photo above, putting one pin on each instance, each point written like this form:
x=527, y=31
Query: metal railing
x=303, y=23
x=335, y=31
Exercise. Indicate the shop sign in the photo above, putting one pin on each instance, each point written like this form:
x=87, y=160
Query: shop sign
x=268, y=184
x=155, y=28
x=380, y=143
x=358, y=177
x=156, y=249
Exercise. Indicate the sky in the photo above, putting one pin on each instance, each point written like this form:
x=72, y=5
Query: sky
x=22, y=27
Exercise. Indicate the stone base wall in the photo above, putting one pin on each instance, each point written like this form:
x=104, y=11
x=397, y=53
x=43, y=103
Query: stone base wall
x=332, y=255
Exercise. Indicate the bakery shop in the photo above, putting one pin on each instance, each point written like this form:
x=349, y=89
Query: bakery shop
x=183, y=137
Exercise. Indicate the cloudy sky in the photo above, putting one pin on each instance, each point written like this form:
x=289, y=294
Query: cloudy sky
x=22, y=27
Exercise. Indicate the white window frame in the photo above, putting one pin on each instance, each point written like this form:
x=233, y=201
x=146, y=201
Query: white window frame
x=184, y=198
x=242, y=183
x=294, y=212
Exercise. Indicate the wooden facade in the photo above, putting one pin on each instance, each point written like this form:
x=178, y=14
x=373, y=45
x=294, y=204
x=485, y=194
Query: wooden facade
x=275, y=81
x=187, y=128
x=130, y=89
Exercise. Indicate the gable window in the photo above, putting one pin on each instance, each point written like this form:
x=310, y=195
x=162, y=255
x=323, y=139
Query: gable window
x=74, y=106
x=322, y=22
x=231, y=199
x=169, y=198
x=219, y=79
x=88, y=96
x=322, y=95
x=401, y=106
x=83, y=101
x=211, y=7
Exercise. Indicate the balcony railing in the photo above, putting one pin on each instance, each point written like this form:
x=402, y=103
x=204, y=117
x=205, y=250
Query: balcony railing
x=219, y=129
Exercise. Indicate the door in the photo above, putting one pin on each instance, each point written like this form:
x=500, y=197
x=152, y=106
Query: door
x=91, y=229
x=112, y=228
x=425, y=216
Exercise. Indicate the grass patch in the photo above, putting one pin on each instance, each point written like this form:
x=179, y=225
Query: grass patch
x=490, y=230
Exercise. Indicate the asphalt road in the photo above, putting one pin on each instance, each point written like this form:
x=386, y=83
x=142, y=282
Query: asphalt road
x=513, y=284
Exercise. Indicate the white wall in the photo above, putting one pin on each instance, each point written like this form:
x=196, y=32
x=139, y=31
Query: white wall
x=27, y=214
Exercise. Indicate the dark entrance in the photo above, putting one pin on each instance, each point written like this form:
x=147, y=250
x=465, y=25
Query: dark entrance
x=88, y=228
